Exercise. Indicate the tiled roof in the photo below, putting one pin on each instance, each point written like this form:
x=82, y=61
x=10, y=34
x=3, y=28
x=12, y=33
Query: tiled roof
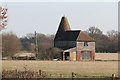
x=84, y=37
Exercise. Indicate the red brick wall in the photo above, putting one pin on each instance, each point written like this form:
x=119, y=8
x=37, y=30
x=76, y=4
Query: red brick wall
x=93, y=55
x=78, y=56
x=81, y=47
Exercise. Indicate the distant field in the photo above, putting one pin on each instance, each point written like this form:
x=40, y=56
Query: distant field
x=84, y=68
x=107, y=56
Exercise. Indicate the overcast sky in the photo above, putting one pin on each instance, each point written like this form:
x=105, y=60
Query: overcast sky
x=44, y=17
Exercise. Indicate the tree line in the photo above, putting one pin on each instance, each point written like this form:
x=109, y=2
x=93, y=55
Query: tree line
x=12, y=44
x=105, y=42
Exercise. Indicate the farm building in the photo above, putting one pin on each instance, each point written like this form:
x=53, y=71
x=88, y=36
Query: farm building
x=24, y=56
x=76, y=44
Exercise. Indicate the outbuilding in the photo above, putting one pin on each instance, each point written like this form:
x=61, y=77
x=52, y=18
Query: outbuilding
x=77, y=45
x=24, y=56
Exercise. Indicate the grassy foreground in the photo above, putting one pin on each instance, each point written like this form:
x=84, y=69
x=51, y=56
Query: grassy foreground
x=84, y=68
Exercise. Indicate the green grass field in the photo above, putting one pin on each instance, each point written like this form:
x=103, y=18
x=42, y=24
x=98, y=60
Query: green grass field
x=84, y=68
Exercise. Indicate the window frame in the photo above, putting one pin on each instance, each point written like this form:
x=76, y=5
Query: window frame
x=85, y=43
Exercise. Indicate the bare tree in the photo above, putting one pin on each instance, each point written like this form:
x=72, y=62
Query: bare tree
x=119, y=42
x=10, y=44
x=45, y=44
x=113, y=35
x=94, y=31
x=113, y=40
x=104, y=42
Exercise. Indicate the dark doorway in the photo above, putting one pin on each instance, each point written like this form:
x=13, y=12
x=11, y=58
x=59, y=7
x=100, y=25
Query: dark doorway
x=86, y=55
x=67, y=55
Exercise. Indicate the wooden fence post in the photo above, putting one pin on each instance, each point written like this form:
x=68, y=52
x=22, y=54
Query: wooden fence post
x=60, y=75
x=113, y=76
x=40, y=72
x=72, y=75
